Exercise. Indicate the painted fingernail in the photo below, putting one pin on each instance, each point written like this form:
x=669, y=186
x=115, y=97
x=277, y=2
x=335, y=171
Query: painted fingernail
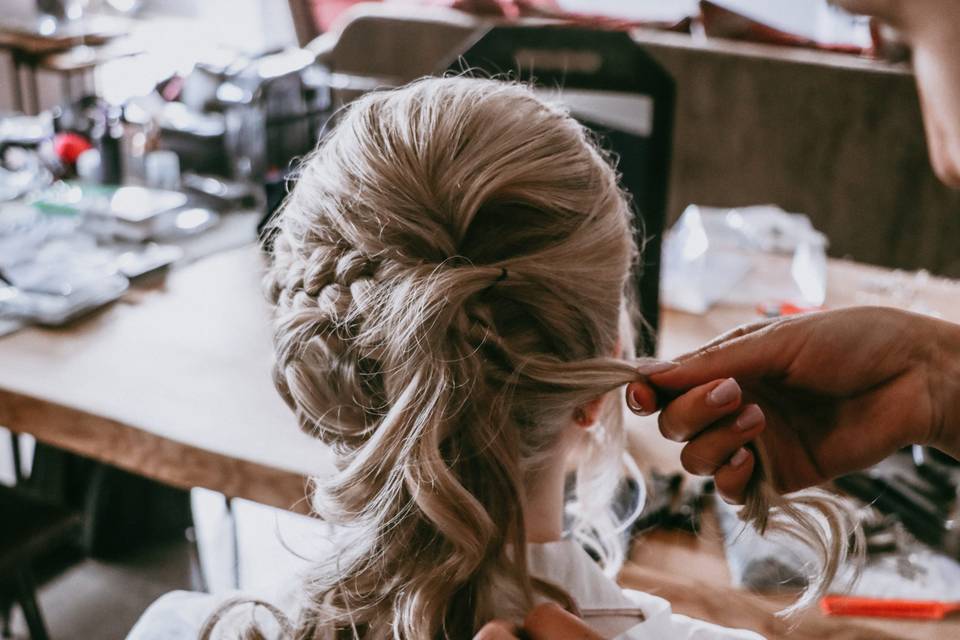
x=751, y=417
x=724, y=393
x=635, y=402
x=654, y=367
x=741, y=456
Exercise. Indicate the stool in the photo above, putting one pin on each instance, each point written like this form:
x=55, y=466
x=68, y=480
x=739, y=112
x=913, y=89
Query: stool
x=29, y=528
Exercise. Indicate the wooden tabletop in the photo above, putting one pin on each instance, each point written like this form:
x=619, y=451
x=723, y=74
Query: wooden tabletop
x=174, y=383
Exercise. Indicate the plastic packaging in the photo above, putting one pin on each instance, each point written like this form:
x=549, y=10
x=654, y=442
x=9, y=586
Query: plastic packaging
x=712, y=255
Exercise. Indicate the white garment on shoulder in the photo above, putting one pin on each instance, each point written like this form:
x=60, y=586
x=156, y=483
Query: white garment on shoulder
x=175, y=616
x=623, y=614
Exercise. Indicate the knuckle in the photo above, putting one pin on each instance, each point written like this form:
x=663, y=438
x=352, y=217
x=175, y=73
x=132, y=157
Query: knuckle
x=694, y=462
x=732, y=484
x=731, y=493
x=710, y=349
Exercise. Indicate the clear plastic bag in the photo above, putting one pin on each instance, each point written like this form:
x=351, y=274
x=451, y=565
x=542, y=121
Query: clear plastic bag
x=712, y=255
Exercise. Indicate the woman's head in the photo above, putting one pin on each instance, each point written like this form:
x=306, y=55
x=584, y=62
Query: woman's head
x=449, y=281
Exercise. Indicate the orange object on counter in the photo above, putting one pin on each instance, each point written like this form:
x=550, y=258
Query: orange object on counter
x=780, y=309
x=887, y=607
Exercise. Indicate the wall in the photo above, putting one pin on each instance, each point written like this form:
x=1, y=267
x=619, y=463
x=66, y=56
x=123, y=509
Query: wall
x=827, y=135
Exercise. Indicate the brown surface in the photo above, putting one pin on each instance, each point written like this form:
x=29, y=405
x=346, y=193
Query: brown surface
x=837, y=137
x=173, y=383
x=406, y=46
x=125, y=446
x=304, y=24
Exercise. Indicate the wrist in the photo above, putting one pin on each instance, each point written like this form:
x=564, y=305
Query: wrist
x=944, y=384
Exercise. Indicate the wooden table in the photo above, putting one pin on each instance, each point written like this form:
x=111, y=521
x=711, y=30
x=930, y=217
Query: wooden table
x=173, y=383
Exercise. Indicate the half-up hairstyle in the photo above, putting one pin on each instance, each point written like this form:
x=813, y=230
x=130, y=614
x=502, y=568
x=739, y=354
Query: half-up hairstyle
x=449, y=282
x=449, y=276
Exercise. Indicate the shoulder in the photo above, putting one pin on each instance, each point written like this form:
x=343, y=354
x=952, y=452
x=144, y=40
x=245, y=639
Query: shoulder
x=184, y=614
x=175, y=615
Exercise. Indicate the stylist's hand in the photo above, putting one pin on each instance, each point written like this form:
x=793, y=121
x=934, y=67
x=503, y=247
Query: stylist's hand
x=544, y=622
x=838, y=391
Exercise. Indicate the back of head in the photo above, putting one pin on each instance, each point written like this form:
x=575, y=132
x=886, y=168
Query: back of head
x=448, y=278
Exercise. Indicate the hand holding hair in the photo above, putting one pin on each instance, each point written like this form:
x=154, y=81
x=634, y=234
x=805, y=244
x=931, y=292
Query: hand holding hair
x=547, y=621
x=822, y=394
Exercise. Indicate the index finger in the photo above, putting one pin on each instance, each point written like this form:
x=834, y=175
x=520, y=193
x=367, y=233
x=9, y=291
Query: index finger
x=745, y=353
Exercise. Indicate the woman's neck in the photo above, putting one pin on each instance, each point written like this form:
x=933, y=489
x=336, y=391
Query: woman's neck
x=543, y=516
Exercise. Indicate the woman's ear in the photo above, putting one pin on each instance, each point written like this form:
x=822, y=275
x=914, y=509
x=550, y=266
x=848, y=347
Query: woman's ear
x=586, y=416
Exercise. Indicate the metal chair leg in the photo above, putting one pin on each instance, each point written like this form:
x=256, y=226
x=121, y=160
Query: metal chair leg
x=198, y=581
x=235, y=539
x=6, y=615
x=27, y=596
x=15, y=450
x=34, y=87
x=18, y=104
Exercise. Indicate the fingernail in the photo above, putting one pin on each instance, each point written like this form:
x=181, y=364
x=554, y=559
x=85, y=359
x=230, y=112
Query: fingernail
x=751, y=417
x=724, y=393
x=635, y=402
x=654, y=367
x=741, y=456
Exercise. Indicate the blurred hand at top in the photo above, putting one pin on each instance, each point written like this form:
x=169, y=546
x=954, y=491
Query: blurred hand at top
x=932, y=29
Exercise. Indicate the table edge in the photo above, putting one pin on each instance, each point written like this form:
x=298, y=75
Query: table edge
x=163, y=459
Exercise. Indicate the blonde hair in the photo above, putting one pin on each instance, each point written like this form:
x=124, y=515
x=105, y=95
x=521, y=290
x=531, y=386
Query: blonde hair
x=450, y=276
